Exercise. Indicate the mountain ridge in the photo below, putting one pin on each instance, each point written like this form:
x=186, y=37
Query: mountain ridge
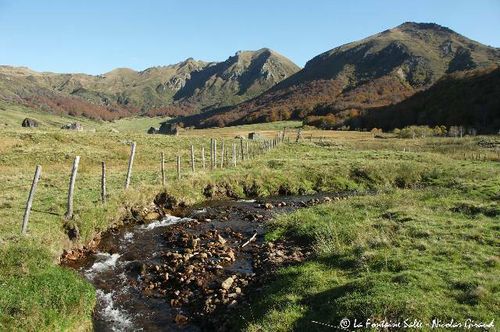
x=152, y=91
x=376, y=71
x=261, y=86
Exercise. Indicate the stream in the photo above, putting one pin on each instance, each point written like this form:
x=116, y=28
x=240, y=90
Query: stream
x=131, y=266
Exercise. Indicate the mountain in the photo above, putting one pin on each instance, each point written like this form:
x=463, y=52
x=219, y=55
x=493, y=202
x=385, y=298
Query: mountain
x=470, y=99
x=183, y=88
x=377, y=71
x=242, y=76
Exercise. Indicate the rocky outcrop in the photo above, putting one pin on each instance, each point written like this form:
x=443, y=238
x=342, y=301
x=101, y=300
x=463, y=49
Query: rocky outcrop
x=153, y=130
x=73, y=126
x=29, y=123
x=168, y=128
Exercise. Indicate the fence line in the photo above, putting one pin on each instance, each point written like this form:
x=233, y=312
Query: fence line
x=247, y=150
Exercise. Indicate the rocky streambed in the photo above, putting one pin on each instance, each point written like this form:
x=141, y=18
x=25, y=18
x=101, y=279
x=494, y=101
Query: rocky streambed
x=187, y=271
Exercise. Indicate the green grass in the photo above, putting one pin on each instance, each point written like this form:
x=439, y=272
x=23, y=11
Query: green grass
x=406, y=254
x=37, y=294
x=11, y=117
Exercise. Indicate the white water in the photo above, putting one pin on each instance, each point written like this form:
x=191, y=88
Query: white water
x=118, y=318
x=167, y=221
x=128, y=236
x=247, y=200
x=104, y=261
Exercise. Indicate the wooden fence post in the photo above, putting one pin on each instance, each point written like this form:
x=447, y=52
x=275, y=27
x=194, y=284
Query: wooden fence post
x=203, y=156
x=130, y=163
x=299, y=135
x=226, y=156
x=246, y=152
x=241, y=149
x=29, y=203
x=162, y=169
x=103, y=182
x=215, y=153
x=234, y=154
x=178, y=167
x=74, y=170
x=192, y=158
x=211, y=153
x=222, y=155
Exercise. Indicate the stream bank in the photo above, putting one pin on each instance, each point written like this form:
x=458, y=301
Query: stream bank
x=188, y=270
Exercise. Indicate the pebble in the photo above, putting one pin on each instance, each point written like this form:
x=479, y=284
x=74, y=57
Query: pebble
x=181, y=319
x=268, y=206
x=226, y=284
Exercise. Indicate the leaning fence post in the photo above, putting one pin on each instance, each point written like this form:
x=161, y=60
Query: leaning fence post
x=74, y=170
x=130, y=163
x=192, y=158
x=103, y=182
x=162, y=169
x=178, y=167
x=27, y=211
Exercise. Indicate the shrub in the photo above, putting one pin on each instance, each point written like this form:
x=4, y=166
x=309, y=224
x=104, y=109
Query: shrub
x=420, y=131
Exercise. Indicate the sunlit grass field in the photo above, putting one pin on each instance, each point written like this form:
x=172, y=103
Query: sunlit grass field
x=427, y=244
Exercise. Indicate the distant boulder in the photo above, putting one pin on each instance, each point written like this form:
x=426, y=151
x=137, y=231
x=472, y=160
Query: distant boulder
x=167, y=128
x=153, y=130
x=254, y=136
x=73, y=126
x=29, y=123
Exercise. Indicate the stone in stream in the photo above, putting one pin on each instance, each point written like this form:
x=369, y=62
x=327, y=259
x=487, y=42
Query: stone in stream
x=268, y=206
x=221, y=240
x=181, y=319
x=150, y=216
x=195, y=243
x=226, y=284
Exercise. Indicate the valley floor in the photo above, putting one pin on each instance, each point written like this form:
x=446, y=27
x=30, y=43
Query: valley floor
x=425, y=246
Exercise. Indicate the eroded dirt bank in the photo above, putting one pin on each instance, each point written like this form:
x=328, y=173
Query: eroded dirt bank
x=187, y=270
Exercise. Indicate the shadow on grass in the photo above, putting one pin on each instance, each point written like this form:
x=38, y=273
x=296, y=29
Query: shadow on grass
x=46, y=212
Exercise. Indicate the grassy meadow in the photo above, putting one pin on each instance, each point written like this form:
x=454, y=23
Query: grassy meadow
x=425, y=245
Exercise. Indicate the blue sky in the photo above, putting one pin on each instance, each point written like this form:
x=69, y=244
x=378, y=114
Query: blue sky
x=96, y=36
